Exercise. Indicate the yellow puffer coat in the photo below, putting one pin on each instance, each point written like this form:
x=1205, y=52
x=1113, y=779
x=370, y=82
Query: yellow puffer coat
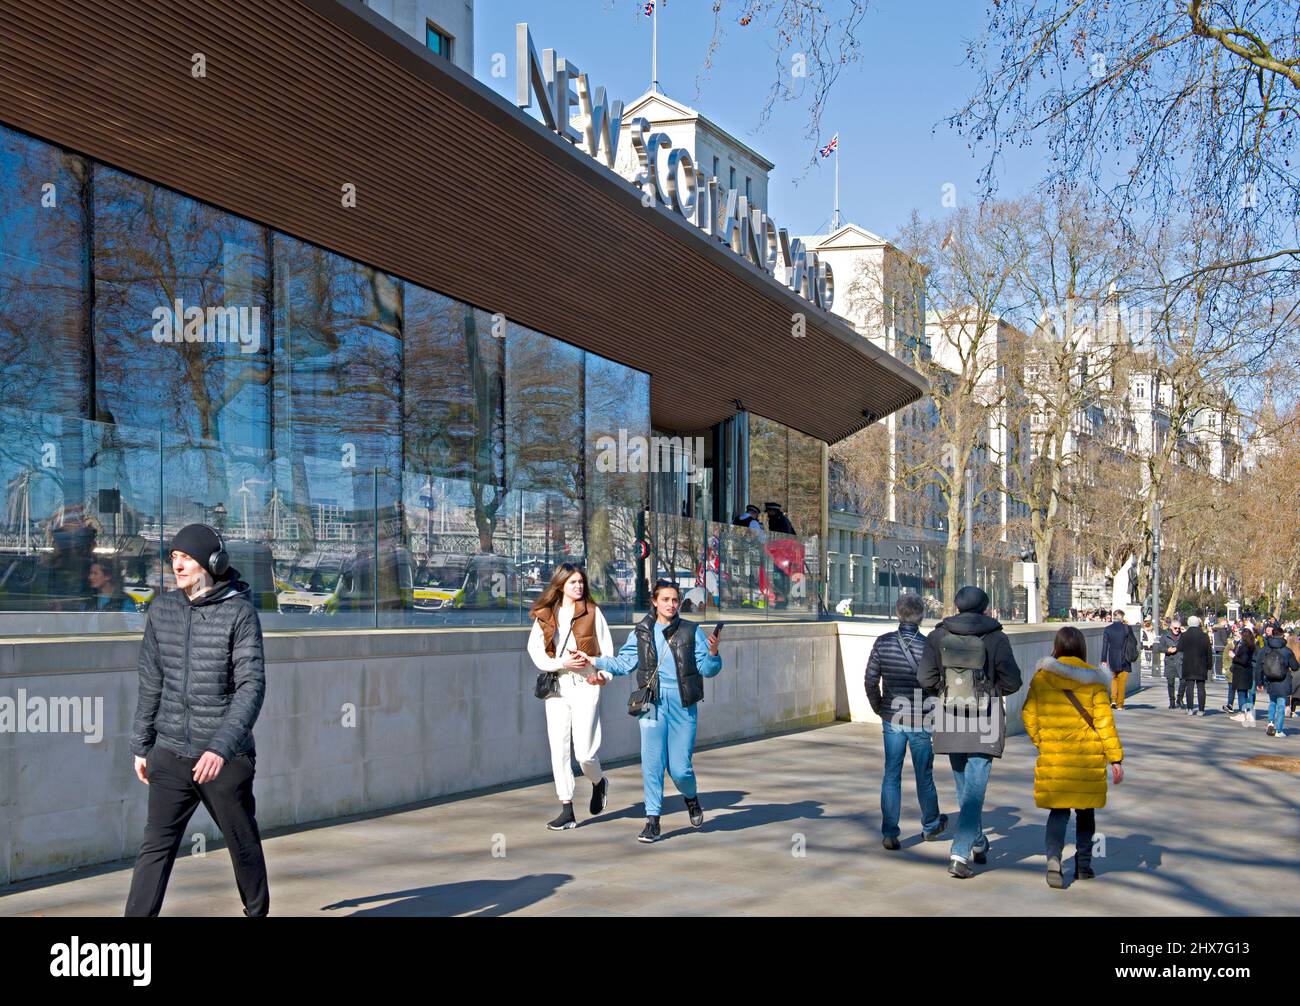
x=1073, y=758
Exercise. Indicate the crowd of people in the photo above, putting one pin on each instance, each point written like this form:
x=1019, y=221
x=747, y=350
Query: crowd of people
x=943, y=694
x=1257, y=659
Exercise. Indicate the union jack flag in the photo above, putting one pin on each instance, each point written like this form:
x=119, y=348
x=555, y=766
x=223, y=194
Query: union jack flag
x=831, y=147
x=649, y=8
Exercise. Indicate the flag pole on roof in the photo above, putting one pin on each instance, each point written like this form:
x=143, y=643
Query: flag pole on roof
x=651, y=10
x=834, y=148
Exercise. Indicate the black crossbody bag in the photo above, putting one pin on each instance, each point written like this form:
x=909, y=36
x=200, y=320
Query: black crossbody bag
x=643, y=698
x=548, y=682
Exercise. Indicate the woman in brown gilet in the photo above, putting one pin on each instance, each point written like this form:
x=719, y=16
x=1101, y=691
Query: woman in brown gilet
x=567, y=621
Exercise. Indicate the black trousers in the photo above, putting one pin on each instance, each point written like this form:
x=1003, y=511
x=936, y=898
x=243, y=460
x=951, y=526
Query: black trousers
x=1186, y=690
x=1085, y=826
x=173, y=798
x=1174, y=690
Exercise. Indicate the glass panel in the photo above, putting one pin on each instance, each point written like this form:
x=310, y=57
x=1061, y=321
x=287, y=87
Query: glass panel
x=617, y=480
x=44, y=349
x=79, y=550
x=180, y=293
x=452, y=417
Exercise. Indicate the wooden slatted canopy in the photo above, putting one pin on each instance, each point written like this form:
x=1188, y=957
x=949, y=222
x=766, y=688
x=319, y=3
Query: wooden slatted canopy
x=457, y=191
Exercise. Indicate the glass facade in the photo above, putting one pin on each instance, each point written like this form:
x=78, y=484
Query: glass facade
x=371, y=450
x=375, y=453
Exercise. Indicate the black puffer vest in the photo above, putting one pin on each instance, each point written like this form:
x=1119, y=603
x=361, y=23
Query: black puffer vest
x=681, y=641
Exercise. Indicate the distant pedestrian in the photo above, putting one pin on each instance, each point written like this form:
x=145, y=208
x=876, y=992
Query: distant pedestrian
x=1067, y=717
x=1243, y=677
x=1279, y=666
x=895, y=695
x=1173, y=661
x=1119, y=651
x=968, y=661
x=777, y=521
x=1198, y=658
x=749, y=519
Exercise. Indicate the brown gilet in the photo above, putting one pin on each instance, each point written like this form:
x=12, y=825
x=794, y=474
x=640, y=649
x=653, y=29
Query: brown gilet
x=584, y=629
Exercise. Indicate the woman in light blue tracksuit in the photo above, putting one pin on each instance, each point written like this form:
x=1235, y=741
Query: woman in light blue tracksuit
x=683, y=656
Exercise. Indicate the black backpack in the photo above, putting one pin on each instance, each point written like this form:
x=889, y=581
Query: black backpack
x=962, y=659
x=1130, y=648
x=1274, y=665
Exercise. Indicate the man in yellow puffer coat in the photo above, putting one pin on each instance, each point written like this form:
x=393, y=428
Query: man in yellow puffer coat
x=1067, y=716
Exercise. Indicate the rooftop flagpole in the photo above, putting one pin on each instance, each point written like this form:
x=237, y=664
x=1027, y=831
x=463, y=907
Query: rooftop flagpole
x=835, y=225
x=654, y=51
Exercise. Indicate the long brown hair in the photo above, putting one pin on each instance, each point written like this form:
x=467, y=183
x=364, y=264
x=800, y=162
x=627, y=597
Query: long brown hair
x=554, y=591
x=1069, y=642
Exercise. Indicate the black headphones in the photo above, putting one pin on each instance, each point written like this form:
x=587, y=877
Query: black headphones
x=218, y=561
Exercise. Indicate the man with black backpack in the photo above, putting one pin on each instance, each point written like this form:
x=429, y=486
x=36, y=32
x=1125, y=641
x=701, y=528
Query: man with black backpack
x=895, y=696
x=1119, y=652
x=968, y=664
x=1277, y=666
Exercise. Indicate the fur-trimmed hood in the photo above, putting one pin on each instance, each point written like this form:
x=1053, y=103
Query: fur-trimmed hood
x=1069, y=671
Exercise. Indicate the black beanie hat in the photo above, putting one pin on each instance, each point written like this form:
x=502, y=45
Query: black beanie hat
x=972, y=599
x=198, y=541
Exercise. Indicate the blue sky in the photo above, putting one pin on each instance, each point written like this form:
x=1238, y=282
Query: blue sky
x=896, y=151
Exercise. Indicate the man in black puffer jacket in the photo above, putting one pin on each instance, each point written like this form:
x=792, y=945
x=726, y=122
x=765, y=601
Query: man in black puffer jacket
x=971, y=737
x=894, y=660
x=202, y=682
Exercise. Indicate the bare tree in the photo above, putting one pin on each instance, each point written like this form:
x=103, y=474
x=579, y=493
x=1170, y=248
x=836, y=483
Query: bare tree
x=1193, y=102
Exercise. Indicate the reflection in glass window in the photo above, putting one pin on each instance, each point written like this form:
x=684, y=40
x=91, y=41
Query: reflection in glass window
x=617, y=412
x=44, y=354
x=180, y=299
x=338, y=358
x=452, y=407
x=544, y=442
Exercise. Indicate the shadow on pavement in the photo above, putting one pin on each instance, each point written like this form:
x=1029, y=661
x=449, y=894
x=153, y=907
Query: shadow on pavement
x=471, y=897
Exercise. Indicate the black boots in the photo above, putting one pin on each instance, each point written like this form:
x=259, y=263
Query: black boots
x=565, y=821
x=650, y=833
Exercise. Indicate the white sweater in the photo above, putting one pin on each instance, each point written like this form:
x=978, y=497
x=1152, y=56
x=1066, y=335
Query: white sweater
x=564, y=619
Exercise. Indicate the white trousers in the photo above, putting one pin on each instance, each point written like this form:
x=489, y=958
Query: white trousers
x=573, y=721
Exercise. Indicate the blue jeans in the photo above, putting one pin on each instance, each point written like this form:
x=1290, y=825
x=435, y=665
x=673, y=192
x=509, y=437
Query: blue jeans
x=1245, y=700
x=667, y=741
x=1277, y=711
x=971, y=772
x=897, y=741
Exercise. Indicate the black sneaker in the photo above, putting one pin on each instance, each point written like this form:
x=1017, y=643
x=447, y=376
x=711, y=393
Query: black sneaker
x=892, y=844
x=694, y=809
x=958, y=869
x=599, y=796
x=650, y=833
x=940, y=828
x=1083, y=871
x=980, y=853
x=565, y=821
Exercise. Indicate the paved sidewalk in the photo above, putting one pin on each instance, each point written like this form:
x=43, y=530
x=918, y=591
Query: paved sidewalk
x=1192, y=831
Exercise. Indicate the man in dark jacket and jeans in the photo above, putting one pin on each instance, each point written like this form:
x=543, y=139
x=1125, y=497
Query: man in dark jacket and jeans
x=202, y=683
x=1115, y=650
x=973, y=738
x=895, y=696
